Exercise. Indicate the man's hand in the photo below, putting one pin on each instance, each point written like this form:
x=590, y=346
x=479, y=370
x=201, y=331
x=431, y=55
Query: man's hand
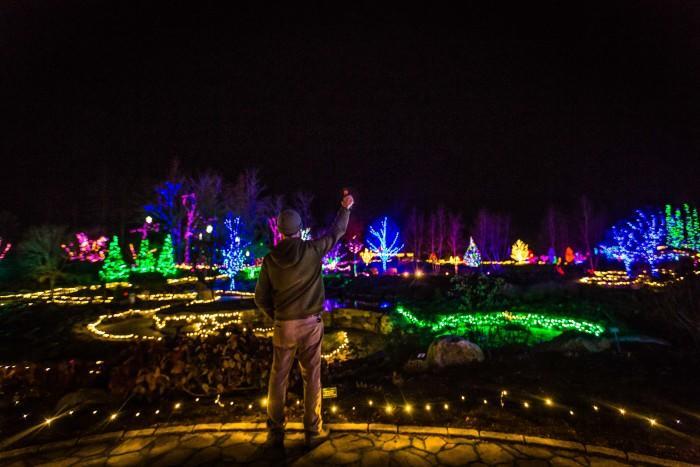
x=347, y=201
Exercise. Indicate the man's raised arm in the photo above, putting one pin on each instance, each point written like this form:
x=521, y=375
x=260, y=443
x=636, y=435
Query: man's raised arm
x=324, y=244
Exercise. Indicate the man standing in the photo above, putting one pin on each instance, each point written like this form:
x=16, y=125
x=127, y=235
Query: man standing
x=290, y=290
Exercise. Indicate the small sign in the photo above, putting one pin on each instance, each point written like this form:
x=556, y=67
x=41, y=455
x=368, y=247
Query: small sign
x=330, y=393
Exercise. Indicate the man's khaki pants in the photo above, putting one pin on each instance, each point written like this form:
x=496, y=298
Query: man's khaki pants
x=300, y=337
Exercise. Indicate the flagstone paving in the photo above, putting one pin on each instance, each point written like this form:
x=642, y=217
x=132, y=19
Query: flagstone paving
x=343, y=448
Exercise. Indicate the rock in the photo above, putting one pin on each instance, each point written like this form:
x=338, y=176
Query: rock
x=452, y=351
x=572, y=344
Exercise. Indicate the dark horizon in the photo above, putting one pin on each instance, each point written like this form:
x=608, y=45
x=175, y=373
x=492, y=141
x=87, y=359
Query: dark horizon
x=510, y=110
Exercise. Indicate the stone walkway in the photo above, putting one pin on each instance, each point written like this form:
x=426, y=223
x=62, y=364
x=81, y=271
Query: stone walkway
x=195, y=445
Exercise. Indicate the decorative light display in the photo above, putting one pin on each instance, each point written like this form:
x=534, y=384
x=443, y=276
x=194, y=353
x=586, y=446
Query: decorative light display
x=455, y=261
x=276, y=234
x=148, y=226
x=145, y=260
x=4, y=248
x=331, y=259
x=114, y=267
x=166, y=259
x=381, y=246
x=464, y=321
x=189, y=202
x=367, y=256
x=234, y=252
x=472, y=257
x=84, y=249
x=617, y=279
x=520, y=252
x=167, y=210
x=637, y=241
x=682, y=227
x=251, y=273
x=354, y=246
x=569, y=256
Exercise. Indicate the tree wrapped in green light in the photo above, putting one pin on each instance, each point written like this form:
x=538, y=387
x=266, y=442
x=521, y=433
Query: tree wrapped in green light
x=145, y=260
x=472, y=257
x=114, y=267
x=166, y=259
x=682, y=227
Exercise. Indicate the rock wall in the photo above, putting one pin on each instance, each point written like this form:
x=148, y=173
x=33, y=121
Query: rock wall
x=365, y=320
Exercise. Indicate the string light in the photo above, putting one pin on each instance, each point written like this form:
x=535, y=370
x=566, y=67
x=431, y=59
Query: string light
x=389, y=409
x=177, y=406
x=334, y=408
x=371, y=402
x=382, y=247
x=652, y=422
x=470, y=320
x=446, y=406
x=408, y=408
x=137, y=414
x=526, y=405
x=427, y=407
x=595, y=407
x=48, y=421
x=113, y=416
x=548, y=401
x=622, y=411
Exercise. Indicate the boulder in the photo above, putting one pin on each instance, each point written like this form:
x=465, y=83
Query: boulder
x=453, y=351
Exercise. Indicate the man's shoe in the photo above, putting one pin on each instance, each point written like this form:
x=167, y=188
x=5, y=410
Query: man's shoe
x=275, y=439
x=314, y=438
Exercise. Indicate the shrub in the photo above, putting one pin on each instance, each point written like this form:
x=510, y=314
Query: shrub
x=478, y=292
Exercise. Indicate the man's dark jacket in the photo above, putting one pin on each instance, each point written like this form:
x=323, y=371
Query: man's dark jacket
x=290, y=285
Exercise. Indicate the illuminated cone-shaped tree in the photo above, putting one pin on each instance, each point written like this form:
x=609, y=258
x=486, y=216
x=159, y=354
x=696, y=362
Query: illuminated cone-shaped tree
x=114, y=267
x=166, y=258
x=381, y=246
x=472, y=257
x=145, y=261
x=234, y=251
x=520, y=251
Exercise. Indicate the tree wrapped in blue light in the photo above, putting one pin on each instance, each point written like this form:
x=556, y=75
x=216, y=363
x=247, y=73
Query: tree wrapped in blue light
x=637, y=240
x=380, y=245
x=234, y=251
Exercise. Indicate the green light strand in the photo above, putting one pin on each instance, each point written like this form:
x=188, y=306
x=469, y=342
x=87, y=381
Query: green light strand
x=469, y=320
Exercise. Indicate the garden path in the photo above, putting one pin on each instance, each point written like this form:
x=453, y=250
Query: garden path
x=215, y=445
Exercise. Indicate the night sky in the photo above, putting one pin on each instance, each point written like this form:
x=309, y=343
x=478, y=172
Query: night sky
x=505, y=109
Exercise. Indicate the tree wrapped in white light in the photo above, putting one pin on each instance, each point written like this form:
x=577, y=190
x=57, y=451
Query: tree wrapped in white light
x=234, y=252
x=380, y=245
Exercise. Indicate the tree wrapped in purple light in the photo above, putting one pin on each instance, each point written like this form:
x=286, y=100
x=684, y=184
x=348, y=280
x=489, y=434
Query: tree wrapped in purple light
x=234, y=252
x=380, y=245
x=4, y=248
x=637, y=240
x=354, y=246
